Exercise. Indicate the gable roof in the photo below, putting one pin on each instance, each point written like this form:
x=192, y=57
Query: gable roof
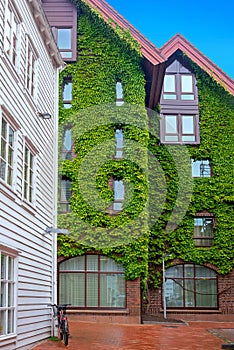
x=149, y=50
x=179, y=42
x=159, y=56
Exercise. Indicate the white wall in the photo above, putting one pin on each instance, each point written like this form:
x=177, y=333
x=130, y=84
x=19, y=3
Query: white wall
x=22, y=224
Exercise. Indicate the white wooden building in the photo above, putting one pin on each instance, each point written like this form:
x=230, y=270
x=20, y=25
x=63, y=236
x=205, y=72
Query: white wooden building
x=29, y=67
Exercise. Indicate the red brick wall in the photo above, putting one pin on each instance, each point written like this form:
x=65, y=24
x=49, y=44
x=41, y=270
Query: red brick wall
x=225, y=303
x=132, y=313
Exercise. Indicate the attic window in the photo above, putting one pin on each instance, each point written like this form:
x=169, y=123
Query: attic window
x=178, y=87
x=119, y=94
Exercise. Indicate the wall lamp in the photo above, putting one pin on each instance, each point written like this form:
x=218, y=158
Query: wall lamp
x=55, y=230
x=45, y=115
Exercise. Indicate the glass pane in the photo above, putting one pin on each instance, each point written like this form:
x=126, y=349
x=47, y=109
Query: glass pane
x=169, y=83
x=169, y=96
x=2, y=322
x=107, y=264
x=170, y=138
x=76, y=263
x=67, y=91
x=65, y=190
x=4, y=129
x=189, y=293
x=11, y=136
x=202, y=271
x=188, y=138
x=112, y=290
x=10, y=268
x=3, y=266
x=175, y=271
x=10, y=295
x=174, y=293
x=3, y=295
x=119, y=138
x=66, y=54
x=10, y=322
x=187, y=124
x=189, y=271
x=72, y=289
x=67, y=105
x=118, y=190
x=119, y=91
x=92, y=262
x=171, y=124
x=186, y=83
x=206, y=293
x=117, y=206
x=92, y=290
x=187, y=97
x=64, y=38
x=67, y=140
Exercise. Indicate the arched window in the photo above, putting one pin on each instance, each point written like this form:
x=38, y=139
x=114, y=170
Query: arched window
x=92, y=281
x=191, y=286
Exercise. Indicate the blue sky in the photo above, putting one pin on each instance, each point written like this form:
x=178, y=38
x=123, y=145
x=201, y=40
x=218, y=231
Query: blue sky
x=207, y=24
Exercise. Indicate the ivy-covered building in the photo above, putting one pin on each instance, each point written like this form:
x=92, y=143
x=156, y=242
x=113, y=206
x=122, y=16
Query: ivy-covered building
x=146, y=172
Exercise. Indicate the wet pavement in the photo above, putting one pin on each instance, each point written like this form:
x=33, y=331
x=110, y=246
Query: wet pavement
x=164, y=336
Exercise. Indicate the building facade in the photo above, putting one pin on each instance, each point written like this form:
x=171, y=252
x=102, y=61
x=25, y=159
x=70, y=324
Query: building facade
x=180, y=255
x=29, y=63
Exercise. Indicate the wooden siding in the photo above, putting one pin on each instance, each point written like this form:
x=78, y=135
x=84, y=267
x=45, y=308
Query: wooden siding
x=23, y=223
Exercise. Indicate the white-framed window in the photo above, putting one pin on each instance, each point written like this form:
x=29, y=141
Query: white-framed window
x=12, y=33
x=28, y=174
x=30, y=69
x=8, y=295
x=201, y=168
x=6, y=151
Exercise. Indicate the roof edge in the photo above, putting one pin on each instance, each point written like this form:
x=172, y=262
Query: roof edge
x=179, y=42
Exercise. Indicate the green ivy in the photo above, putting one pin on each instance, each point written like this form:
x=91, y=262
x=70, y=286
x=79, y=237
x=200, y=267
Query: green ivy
x=106, y=55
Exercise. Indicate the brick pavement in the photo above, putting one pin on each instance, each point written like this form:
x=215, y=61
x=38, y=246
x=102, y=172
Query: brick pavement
x=167, y=336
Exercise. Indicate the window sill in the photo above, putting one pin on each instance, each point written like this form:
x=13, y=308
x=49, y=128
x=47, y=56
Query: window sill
x=190, y=311
x=7, y=190
x=99, y=312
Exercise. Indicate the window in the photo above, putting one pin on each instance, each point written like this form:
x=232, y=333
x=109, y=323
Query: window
x=191, y=286
x=67, y=93
x=31, y=58
x=201, y=168
x=28, y=174
x=203, y=231
x=66, y=151
x=119, y=143
x=11, y=33
x=64, y=41
x=7, y=297
x=92, y=281
x=65, y=195
x=179, y=128
x=178, y=87
x=6, y=152
x=118, y=195
x=119, y=94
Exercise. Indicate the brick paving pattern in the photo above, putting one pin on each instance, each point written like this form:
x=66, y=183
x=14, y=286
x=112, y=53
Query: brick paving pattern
x=99, y=336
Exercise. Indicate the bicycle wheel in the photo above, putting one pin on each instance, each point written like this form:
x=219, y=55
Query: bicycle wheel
x=65, y=338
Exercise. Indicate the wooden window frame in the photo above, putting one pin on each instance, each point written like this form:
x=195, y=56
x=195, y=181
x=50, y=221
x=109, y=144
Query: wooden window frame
x=98, y=273
x=210, y=238
x=194, y=278
x=179, y=117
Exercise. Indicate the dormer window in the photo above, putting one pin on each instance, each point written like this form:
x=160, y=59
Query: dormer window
x=178, y=87
x=64, y=42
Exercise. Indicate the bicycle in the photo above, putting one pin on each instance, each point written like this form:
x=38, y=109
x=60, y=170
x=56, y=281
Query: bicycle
x=60, y=310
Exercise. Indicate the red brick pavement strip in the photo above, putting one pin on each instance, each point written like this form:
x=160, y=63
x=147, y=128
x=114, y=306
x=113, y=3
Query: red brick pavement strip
x=98, y=336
